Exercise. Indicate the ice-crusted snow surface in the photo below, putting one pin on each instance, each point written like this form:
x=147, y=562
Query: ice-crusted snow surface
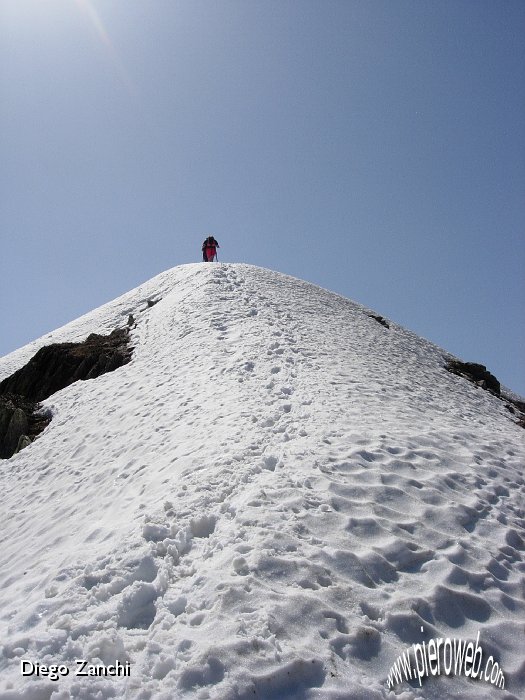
x=269, y=501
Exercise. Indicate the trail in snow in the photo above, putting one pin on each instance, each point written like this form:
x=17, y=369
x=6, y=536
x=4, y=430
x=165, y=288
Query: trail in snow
x=269, y=501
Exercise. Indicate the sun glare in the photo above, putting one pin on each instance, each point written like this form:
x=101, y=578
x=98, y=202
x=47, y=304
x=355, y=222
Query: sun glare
x=91, y=13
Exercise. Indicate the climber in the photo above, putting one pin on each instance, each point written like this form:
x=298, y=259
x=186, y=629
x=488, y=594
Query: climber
x=209, y=249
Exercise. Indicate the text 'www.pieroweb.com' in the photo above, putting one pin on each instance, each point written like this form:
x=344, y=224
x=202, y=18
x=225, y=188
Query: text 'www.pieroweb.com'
x=445, y=656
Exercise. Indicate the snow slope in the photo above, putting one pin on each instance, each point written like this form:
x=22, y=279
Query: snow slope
x=270, y=501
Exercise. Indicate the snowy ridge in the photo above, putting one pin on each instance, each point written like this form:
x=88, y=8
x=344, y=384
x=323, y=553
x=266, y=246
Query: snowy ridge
x=269, y=501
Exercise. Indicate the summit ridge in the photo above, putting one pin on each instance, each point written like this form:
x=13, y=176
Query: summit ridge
x=272, y=499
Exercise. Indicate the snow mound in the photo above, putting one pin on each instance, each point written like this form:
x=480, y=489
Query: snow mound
x=273, y=499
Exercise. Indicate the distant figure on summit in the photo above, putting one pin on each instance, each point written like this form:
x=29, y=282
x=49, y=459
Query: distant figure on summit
x=209, y=249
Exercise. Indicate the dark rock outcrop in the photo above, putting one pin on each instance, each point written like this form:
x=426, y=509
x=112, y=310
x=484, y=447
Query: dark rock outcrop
x=56, y=366
x=20, y=422
x=53, y=368
x=478, y=374
x=380, y=320
x=517, y=408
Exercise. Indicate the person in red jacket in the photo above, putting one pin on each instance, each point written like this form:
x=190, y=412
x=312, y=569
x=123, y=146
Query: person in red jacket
x=209, y=249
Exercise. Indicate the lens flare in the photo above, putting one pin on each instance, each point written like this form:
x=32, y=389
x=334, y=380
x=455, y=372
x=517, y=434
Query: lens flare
x=87, y=8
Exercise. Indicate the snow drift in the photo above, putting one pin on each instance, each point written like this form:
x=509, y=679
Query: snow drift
x=273, y=499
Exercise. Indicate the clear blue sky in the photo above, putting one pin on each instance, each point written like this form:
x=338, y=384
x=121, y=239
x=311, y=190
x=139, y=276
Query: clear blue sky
x=376, y=148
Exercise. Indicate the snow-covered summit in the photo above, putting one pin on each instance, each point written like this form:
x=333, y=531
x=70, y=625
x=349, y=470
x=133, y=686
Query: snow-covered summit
x=269, y=501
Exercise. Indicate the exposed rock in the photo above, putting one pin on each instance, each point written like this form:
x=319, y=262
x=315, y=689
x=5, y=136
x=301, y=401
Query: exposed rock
x=380, y=320
x=24, y=441
x=478, y=374
x=53, y=368
x=19, y=419
x=517, y=408
x=56, y=366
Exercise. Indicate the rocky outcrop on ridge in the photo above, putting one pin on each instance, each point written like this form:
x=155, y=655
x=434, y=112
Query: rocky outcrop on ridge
x=476, y=373
x=380, y=320
x=51, y=369
x=517, y=408
x=479, y=375
x=20, y=422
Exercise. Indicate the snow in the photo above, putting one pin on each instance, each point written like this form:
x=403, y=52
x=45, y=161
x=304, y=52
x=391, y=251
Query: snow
x=270, y=501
